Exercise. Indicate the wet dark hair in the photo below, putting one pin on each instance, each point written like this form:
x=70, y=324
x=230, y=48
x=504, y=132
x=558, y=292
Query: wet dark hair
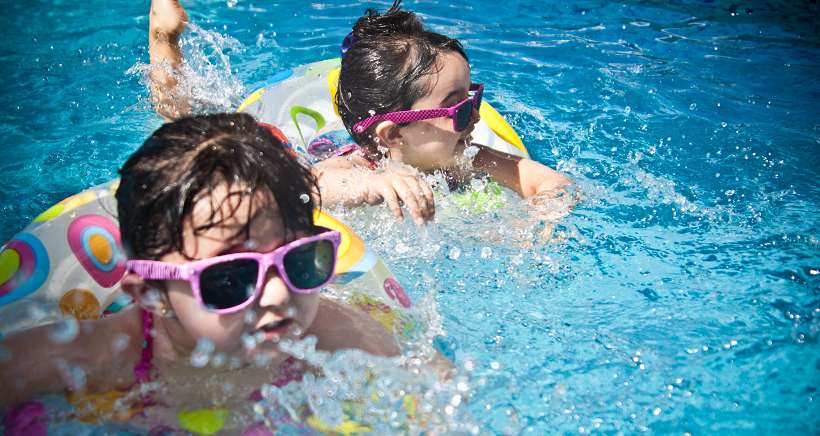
x=185, y=160
x=383, y=68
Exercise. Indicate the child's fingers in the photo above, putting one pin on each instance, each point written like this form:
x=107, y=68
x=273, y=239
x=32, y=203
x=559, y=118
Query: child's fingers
x=424, y=197
x=429, y=198
x=390, y=197
x=408, y=196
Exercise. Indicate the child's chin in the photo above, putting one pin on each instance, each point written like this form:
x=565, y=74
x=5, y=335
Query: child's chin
x=266, y=355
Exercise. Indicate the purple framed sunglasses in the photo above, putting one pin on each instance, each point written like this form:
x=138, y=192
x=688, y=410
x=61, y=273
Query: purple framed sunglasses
x=229, y=283
x=461, y=113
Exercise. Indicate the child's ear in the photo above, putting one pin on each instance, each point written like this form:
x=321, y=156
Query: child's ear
x=144, y=295
x=388, y=134
x=132, y=285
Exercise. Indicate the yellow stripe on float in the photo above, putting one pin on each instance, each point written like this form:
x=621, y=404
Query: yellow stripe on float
x=351, y=249
x=251, y=99
x=333, y=85
x=499, y=125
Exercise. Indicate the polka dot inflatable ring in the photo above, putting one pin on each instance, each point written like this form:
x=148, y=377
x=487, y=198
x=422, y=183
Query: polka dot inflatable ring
x=67, y=263
x=95, y=241
x=24, y=267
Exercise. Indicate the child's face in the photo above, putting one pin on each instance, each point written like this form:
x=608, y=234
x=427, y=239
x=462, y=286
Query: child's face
x=433, y=144
x=277, y=312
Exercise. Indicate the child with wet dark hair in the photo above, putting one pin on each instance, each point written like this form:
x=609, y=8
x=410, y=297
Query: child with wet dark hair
x=216, y=220
x=405, y=94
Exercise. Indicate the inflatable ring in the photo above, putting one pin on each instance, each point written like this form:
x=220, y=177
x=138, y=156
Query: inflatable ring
x=301, y=101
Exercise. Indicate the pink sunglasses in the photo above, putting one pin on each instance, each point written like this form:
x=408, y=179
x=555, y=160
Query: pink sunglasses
x=461, y=113
x=229, y=283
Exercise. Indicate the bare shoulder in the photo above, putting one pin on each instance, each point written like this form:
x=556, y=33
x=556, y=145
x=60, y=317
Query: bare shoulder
x=338, y=326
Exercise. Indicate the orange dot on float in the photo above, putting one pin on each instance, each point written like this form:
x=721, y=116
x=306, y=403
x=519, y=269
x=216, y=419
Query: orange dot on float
x=80, y=303
x=100, y=248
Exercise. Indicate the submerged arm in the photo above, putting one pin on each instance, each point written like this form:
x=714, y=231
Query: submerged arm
x=166, y=22
x=39, y=363
x=525, y=176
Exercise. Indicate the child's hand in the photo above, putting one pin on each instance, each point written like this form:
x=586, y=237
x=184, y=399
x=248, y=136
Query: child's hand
x=167, y=19
x=552, y=205
x=396, y=185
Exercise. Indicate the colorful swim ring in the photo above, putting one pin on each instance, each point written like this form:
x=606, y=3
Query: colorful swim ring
x=301, y=102
x=68, y=263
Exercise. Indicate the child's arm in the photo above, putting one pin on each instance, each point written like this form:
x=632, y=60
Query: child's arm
x=166, y=22
x=525, y=176
x=339, y=327
x=347, y=182
x=37, y=363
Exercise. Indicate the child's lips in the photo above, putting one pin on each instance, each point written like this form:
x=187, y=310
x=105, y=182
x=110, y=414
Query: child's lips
x=275, y=329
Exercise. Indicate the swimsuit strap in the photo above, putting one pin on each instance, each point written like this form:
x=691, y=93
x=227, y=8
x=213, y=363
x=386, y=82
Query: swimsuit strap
x=142, y=370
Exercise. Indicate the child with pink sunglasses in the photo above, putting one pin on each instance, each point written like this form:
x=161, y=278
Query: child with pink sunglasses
x=222, y=254
x=405, y=94
x=406, y=97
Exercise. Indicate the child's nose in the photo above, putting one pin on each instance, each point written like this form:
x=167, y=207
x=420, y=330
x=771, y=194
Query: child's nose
x=274, y=292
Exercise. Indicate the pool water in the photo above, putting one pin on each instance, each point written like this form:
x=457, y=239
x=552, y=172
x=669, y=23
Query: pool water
x=681, y=295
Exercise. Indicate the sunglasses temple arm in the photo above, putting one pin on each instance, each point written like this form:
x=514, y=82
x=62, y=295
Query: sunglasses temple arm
x=152, y=270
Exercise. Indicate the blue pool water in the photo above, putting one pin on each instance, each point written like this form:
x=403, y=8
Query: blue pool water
x=682, y=294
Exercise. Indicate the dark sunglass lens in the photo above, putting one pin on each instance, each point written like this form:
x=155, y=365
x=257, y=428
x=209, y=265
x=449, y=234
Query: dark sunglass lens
x=310, y=265
x=464, y=115
x=228, y=284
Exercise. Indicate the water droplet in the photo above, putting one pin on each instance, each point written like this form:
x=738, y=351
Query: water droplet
x=470, y=152
x=73, y=375
x=250, y=317
x=454, y=253
x=219, y=360
x=693, y=106
x=202, y=353
x=65, y=331
x=724, y=124
x=305, y=198
x=469, y=365
x=36, y=312
x=729, y=192
x=486, y=252
x=656, y=411
x=120, y=342
x=152, y=296
x=262, y=359
x=248, y=341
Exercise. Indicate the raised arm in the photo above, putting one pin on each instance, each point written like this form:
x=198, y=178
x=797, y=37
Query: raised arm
x=166, y=22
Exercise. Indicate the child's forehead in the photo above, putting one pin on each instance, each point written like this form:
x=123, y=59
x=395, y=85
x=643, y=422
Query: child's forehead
x=228, y=210
x=453, y=72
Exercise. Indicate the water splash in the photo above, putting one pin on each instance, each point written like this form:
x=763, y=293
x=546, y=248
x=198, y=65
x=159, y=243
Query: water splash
x=367, y=392
x=206, y=78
